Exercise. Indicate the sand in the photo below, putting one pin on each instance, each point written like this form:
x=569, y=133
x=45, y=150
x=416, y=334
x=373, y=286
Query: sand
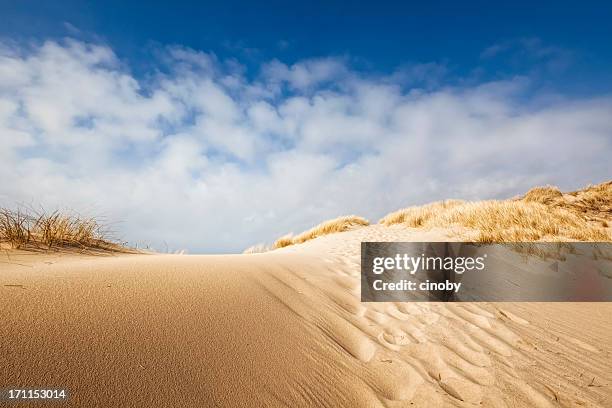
x=284, y=328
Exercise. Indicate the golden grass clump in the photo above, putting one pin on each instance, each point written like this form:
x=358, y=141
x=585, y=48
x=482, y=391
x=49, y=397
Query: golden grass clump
x=594, y=202
x=39, y=230
x=517, y=221
x=544, y=213
x=14, y=228
x=339, y=224
x=283, y=241
x=544, y=195
x=418, y=215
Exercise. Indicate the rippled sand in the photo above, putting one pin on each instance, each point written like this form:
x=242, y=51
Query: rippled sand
x=285, y=328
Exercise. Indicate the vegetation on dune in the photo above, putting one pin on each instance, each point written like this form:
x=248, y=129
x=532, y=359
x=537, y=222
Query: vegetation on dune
x=417, y=216
x=28, y=229
x=256, y=249
x=544, y=213
x=543, y=195
x=283, y=241
x=593, y=203
x=339, y=224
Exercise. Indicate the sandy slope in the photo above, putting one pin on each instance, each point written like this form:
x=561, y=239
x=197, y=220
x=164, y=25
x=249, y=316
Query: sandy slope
x=284, y=328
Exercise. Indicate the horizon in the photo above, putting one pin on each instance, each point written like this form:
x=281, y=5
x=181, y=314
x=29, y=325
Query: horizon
x=215, y=137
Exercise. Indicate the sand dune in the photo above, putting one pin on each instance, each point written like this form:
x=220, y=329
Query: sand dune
x=285, y=328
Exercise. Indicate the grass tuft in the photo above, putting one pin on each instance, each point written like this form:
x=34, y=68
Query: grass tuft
x=418, y=216
x=544, y=195
x=283, y=241
x=339, y=224
x=40, y=230
x=256, y=249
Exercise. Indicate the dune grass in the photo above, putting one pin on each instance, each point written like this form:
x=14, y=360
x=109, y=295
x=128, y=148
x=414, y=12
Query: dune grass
x=548, y=195
x=283, y=241
x=544, y=213
x=29, y=229
x=593, y=203
x=339, y=224
x=417, y=216
x=256, y=249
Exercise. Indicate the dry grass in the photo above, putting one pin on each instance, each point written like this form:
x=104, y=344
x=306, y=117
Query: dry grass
x=544, y=195
x=543, y=214
x=283, y=241
x=594, y=203
x=418, y=216
x=339, y=224
x=516, y=221
x=257, y=249
x=39, y=230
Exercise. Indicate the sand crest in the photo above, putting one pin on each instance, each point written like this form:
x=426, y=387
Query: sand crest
x=285, y=328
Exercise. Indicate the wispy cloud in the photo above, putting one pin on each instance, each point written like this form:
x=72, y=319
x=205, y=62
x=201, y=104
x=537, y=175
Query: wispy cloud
x=531, y=52
x=202, y=156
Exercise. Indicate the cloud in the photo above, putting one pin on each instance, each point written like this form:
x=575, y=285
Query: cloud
x=530, y=52
x=306, y=74
x=200, y=154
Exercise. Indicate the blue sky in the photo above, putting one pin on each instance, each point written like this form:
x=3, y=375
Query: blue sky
x=378, y=36
x=214, y=127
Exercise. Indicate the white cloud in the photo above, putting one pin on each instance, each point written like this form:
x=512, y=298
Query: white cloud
x=204, y=158
x=306, y=74
x=550, y=59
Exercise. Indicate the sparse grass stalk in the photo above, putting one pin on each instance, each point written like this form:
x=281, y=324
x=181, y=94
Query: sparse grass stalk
x=29, y=229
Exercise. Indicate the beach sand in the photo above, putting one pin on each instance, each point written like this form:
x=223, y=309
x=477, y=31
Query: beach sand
x=284, y=328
